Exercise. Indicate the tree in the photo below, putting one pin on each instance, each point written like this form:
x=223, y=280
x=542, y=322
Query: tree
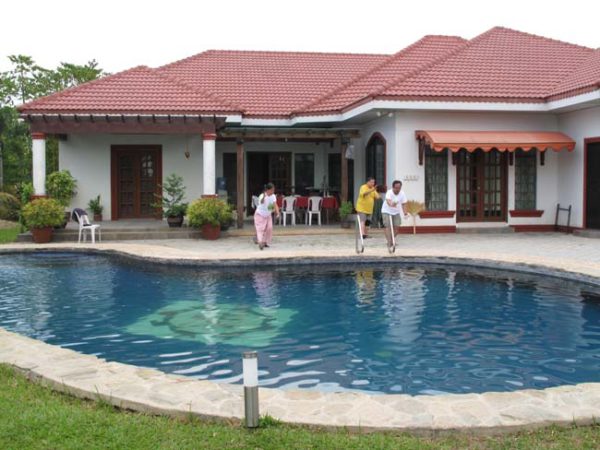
x=24, y=82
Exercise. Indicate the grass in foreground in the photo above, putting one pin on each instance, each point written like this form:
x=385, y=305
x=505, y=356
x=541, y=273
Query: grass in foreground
x=34, y=417
x=9, y=234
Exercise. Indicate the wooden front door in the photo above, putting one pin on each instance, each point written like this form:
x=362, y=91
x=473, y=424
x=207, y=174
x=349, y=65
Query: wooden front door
x=481, y=186
x=592, y=185
x=136, y=177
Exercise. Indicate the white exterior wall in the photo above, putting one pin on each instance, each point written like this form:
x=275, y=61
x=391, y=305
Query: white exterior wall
x=578, y=125
x=408, y=170
x=559, y=180
x=386, y=126
x=88, y=159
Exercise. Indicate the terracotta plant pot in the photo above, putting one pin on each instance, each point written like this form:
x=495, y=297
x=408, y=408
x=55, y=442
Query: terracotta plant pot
x=175, y=222
x=97, y=217
x=42, y=235
x=349, y=221
x=211, y=232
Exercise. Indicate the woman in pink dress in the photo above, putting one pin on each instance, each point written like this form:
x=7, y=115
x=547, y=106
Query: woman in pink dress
x=263, y=218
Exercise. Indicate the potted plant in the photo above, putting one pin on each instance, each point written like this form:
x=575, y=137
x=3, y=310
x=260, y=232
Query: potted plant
x=209, y=214
x=61, y=186
x=41, y=215
x=346, y=216
x=171, y=200
x=96, y=208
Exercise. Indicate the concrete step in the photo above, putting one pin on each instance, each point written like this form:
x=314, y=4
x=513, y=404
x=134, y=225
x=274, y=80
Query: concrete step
x=587, y=233
x=484, y=230
x=132, y=234
x=120, y=235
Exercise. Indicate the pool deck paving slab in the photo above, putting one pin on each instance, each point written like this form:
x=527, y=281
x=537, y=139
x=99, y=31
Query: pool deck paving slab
x=152, y=391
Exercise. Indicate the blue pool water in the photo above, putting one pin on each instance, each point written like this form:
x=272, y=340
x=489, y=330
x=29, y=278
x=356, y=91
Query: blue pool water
x=393, y=329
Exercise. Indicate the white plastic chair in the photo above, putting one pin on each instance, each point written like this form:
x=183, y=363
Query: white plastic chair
x=289, y=208
x=85, y=225
x=314, y=207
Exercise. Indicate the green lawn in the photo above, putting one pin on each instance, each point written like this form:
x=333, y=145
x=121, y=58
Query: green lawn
x=32, y=416
x=9, y=234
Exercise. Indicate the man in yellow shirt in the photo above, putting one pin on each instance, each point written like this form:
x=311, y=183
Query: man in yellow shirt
x=365, y=202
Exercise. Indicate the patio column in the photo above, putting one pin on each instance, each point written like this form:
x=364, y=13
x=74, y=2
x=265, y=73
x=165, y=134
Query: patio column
x=208, y=163
x=240, y=183
x=344, y=177
x=38, y=150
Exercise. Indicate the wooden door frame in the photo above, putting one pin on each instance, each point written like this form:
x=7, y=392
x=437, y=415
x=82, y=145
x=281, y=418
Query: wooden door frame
x=114, y=171
x=586, y=142
x=480, y=200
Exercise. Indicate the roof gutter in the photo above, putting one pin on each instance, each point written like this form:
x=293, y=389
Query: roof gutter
x=421, y=105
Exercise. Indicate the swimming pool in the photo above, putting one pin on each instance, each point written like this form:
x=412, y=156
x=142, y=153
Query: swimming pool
x=393, y=329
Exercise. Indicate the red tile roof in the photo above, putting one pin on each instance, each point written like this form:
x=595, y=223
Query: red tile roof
x=392, y=70
x=140, y=90
x=270, y=83
x=500, y=65
x=585, y=78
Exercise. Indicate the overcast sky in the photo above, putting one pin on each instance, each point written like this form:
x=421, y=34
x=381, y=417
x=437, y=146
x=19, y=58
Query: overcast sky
x=121, y=34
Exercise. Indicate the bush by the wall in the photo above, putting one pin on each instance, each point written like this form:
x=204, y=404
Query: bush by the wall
x=9, y=206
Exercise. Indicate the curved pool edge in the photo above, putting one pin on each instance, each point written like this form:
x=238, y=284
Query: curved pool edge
x=133, y=254
x=155, y=392
x=152, y=391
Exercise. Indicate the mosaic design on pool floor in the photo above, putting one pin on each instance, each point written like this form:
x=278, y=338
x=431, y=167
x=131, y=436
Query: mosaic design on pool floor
x=223, y=323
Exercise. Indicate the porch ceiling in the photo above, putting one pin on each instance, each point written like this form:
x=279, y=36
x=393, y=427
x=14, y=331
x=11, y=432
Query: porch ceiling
x=287, y=134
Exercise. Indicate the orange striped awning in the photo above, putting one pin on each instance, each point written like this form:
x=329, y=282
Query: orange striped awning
x=503, y=141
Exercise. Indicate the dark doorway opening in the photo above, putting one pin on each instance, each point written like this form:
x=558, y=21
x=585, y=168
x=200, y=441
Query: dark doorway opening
x=592, y=185
x=268, y=167
x=230, y=175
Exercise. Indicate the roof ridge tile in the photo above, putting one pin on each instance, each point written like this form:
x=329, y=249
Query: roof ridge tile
x=539, y=36
x=209, y=94
x=361, y=76
x=446, y=56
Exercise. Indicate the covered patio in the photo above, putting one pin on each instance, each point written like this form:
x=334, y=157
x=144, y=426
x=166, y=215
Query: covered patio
x=277, y=165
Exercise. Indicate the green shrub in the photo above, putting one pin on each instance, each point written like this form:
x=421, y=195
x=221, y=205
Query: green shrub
x=9, y=206
x=61, y=186
x=212, y=211
x=43, y=212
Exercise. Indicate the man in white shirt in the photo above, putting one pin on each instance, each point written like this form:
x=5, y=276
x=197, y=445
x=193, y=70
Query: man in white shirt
x=392, y=208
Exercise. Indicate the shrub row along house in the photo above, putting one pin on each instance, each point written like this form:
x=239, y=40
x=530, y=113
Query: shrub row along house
x=500, y=128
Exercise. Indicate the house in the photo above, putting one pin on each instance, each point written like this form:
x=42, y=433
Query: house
x=497, y=129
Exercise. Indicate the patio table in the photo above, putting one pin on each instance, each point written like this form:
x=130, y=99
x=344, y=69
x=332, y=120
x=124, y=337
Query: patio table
x=329, y=204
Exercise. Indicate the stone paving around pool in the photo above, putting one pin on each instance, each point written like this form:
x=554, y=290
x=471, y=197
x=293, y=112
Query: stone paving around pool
x=153, y=391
